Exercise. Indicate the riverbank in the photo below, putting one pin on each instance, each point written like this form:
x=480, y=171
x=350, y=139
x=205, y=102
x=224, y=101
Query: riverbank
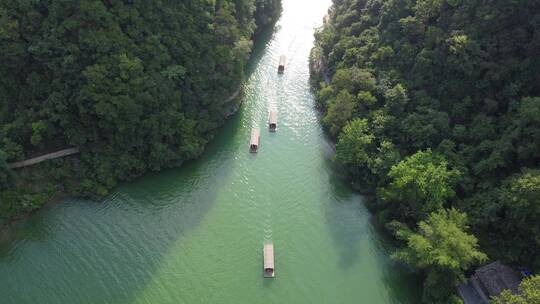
x=38, y=201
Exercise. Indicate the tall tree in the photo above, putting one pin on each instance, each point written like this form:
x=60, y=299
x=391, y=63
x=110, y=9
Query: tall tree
x=420, y=184
x=443, y=249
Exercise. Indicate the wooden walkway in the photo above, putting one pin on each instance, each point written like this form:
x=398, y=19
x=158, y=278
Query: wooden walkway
x=39, y=159
x=234, y=95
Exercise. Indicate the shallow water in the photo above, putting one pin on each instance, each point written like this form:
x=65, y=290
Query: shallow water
x=195, y=234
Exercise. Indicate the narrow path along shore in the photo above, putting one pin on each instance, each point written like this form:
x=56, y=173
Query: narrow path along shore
x=42, y=158
x=72, y=151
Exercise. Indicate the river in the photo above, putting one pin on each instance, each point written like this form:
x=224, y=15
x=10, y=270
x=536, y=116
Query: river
x=195, y=234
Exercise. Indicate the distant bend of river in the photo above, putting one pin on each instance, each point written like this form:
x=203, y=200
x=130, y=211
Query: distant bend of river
x=195, y=234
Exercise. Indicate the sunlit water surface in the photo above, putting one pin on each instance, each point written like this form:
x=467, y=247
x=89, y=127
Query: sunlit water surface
x=195, y=234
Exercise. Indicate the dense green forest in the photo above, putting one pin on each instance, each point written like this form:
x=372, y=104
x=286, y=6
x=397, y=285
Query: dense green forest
x=135, y=85
x=435, y=108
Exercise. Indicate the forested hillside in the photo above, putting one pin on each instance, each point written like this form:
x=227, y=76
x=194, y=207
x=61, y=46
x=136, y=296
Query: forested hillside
x=135, y=85
x=435, y=108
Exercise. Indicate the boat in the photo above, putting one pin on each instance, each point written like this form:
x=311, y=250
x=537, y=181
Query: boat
x=255, y=139
x=268, y=252
x=281, y=66
x=272, y=121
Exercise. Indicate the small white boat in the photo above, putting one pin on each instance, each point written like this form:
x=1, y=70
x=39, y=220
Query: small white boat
x=281, y=66
x=255, y=139
x=268, y=251
x=272, y=121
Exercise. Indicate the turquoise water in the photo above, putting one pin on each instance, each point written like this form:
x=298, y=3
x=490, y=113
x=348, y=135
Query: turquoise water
x=195, y=234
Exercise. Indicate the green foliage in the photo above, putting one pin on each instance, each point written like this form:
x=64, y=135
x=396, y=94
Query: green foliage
x=38, y=128
x=364, y=157
x=324, y=95
x=354, y=80
x=505, y=217
x=420, y=184
x=366, y=99
x=529, y=293
x=135, y=85
x=427, y=9
x=5, y=173
x=267, y=12
x=443, y=249
x=340, y=111
x=396, y=99
x=521, y=198
x=354, y=145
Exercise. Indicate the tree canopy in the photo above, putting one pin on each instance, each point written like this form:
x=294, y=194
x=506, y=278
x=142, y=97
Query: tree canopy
x=442, y=248
x=420, y=184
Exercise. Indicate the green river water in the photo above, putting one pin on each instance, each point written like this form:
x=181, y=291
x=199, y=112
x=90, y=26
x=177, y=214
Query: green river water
x=195, y=234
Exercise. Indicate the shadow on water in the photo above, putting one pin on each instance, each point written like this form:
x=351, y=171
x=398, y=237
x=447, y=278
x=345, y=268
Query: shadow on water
x=402, y=280
x=153, y=213
x=187, y=212
x=267, y=282
x=351, y=224
x=193, y=208
x=345, y=218
x=259, y=47
x=28, y=229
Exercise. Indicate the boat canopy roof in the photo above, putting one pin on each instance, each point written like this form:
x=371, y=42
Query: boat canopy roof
x=269, y=256
x=272, y=117
x=282, y=60
x=255, y=132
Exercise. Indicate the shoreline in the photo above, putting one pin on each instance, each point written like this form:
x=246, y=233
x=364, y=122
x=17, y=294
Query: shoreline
x=9, y=222
x=60, y=195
